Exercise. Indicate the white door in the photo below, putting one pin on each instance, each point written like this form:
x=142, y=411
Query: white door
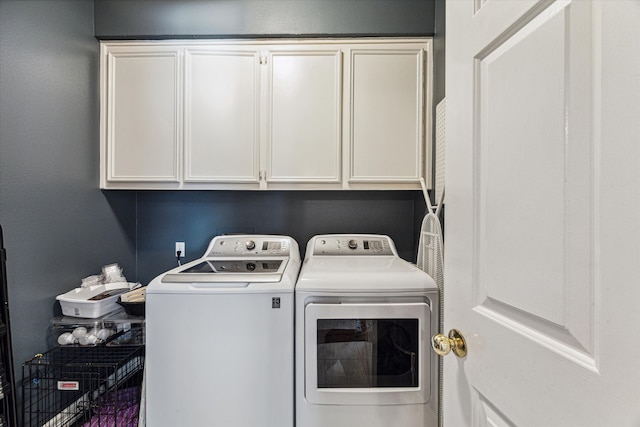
x=542, y=250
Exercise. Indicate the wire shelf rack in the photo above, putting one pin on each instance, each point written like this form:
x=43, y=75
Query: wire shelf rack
x=83, y=386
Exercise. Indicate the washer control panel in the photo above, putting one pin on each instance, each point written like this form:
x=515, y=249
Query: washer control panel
x=248, y=245
x=345, y=245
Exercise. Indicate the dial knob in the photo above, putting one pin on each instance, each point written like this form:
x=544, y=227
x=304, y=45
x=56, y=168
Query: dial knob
x=251, y=245
x=353, y=244
x=251, y=266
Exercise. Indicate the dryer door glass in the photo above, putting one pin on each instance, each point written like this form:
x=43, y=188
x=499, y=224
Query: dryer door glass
x=366, y=353
x=361, y=353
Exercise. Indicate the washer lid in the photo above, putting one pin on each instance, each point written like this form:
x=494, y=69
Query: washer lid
x=229, y=271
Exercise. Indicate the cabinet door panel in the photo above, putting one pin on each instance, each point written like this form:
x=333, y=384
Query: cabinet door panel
x=221, y=116
x=305, y=109
x=386, y=117
x=143, y=118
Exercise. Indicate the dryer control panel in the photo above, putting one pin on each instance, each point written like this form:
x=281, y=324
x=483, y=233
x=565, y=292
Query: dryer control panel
x=353, y=245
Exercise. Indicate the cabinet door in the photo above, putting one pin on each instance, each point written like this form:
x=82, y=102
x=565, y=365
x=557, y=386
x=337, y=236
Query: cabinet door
x=222, y=121
x=142, y=130
x=304, y=132
x=386, y=117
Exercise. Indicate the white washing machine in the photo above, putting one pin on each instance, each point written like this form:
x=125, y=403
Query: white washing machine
x=219, y=336
x=364, y=318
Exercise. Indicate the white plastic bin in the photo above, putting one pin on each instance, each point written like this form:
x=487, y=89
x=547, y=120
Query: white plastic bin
x=93, y=301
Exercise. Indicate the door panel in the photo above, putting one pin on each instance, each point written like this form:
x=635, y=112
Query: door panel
x=543, y=195
x=530, y=270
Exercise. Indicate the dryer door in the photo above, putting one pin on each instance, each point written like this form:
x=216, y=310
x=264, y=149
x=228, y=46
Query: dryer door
x=359, y=354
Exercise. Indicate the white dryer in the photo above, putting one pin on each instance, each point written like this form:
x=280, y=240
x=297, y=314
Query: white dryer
x=219, y=343
x=364, y=318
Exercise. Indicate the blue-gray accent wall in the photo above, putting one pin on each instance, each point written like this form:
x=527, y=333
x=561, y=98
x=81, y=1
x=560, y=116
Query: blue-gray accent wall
x=127, y=19
x=194, y=217
x=59, y=227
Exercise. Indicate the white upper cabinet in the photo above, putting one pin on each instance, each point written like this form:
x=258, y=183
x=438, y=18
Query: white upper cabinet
x=386, y=114
x=222, y=115
x=268, y=114
x=304, y=115
x=141, y=116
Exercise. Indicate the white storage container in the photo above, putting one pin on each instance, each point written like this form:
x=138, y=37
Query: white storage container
x=93, y=301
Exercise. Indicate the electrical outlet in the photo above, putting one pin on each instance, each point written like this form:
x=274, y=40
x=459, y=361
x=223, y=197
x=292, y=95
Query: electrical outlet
x=180, y=247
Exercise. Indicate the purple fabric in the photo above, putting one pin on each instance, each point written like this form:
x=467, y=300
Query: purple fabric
x=127, y=404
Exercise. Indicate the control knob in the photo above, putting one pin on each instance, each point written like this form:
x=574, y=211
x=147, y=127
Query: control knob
x=353, y=244
x=251, y=245
x=251, y=266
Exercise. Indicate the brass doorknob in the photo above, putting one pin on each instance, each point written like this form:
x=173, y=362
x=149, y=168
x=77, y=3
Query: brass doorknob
x=455, y=342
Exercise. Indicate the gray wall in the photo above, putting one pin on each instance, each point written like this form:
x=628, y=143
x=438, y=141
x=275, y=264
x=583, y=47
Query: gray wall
x=116, y=19
x=58, y=226
x=194, y=217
